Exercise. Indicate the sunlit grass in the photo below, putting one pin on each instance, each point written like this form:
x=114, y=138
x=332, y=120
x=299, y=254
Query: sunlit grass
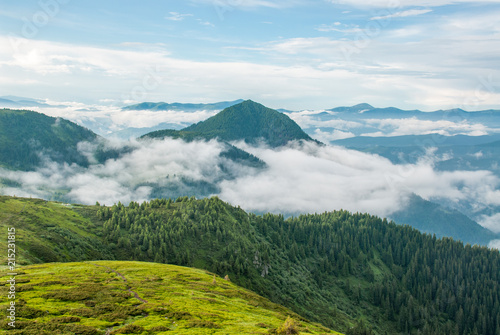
x=91, y=297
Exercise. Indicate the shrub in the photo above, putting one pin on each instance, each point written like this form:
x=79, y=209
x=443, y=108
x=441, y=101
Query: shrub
x=288, y=328
x=129, y=329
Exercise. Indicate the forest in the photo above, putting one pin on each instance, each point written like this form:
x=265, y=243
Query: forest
x=351, y=272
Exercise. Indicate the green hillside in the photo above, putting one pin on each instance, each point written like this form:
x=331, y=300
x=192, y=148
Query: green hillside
x=105, y=297
x=354, y=273
x=25, y=135
x=248, y=121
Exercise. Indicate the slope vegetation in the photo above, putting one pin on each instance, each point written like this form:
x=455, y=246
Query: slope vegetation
x=354, y=273
x=140, y=298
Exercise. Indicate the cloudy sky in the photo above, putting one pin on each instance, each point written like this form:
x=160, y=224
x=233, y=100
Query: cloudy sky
x=293, y=54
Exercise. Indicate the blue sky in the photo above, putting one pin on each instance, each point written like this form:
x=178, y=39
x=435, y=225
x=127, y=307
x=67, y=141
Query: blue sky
x=295, y=54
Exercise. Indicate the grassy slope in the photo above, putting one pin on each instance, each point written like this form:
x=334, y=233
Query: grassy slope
x=92, y=297
x=50, y=231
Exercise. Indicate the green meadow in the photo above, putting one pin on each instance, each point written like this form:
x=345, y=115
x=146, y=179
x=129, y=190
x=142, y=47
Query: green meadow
x=121, y=297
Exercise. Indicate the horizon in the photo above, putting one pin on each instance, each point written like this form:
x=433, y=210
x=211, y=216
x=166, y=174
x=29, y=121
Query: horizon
x=294, y=55
x=52, y=103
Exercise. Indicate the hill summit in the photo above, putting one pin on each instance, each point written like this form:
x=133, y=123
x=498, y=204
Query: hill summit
x=250, y=121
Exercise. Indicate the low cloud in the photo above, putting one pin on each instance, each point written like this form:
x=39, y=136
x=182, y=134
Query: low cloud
x=495, y=244
x=414, y=126
x=125, y=179
x=335, y=134
x=310, y=178
x=105, y=120
x=491, y=222
x=299, y=178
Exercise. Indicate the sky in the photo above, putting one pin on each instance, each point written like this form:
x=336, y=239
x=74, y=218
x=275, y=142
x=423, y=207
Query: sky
x=294, y=54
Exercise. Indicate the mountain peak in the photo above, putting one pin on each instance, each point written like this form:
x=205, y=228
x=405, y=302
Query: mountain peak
x=250, y=121
x=359, y=108
x=362, y=106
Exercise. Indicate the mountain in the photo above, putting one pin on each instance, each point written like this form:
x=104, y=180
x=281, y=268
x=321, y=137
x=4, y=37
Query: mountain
x=248, y=121
x=455, y=114
x=433, y=218
x=413, y=141
x=186, y=107
x=10, y=101
x=354, y=273
x=106, y=297
x=27, y=137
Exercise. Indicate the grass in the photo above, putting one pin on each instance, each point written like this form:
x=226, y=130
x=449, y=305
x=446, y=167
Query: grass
x=51, y=230
x=139, y=298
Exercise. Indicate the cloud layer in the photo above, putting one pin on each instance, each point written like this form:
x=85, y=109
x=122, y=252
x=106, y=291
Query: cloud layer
x=300, y=178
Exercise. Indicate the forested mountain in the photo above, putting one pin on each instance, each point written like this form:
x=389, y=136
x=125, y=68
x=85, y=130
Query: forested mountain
x=341, y=269
x=248, y=121
x=27, y=137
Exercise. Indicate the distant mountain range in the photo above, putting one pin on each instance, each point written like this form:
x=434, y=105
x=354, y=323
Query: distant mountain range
x=392, y=112
x=185, y=107
x=10, y=101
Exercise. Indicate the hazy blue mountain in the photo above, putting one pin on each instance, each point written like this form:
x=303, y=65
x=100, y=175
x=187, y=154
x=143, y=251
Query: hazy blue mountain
x=11, y=101
x=429, y=140
x=161, y=106
x=459, y=152
x=433, y=218
x=456, y=114
x=364, y=120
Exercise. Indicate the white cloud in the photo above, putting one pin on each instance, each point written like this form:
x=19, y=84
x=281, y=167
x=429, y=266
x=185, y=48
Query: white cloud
x=326, y=137
x=414, y=126
x=406, y=13
x=495, y=244
x=244, y=4
x=404, y=3
x=306, y=119
x=124, y=179
x=420, y=66
x=312, y=178
x=174, y=16
x=340, y=28
x=300, y=178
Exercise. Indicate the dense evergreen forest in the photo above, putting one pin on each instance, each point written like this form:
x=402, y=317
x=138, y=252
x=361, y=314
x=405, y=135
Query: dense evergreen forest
x=352, y=272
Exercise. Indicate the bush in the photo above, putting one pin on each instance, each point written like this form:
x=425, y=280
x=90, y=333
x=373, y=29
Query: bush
x=288, y=328
x=66, y=319
x=129, y=329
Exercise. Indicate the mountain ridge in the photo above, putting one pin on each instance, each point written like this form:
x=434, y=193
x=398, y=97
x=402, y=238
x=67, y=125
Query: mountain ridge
x=163, y=106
